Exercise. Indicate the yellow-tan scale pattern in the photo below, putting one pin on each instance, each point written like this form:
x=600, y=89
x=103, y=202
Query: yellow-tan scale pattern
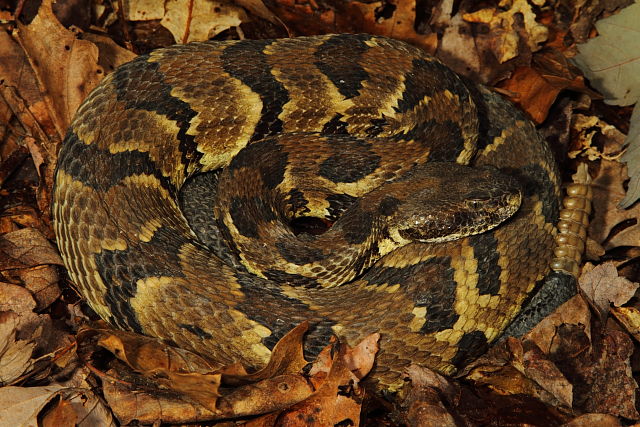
x=103, y=215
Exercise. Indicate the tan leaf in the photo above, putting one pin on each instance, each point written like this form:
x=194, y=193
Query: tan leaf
x=148, y=355
x=15, y=355
x=111, y=54
x=630, y=319
x=573, y=312
x=360, y=358
x=20, y=406
x=61, y=415
x=399, y=25
x=129, y=403
x=42, y=282
x=143, y=10
x=65, y=66
x=287, y=357
x=504, y=28
x=603, y=286
x=590, y=420
x=337, y=401
x=26, y=248
x=199, y=20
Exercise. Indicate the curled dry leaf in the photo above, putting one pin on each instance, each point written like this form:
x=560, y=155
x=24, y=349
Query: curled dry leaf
x=130, y=404
x=603, y=287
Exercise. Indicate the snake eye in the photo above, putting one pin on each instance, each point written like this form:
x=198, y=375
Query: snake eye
x=473, y=204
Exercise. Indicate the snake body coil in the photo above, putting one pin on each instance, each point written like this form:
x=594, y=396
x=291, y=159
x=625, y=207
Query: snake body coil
x=354, y=109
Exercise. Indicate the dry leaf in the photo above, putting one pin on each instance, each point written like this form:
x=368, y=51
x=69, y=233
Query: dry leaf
x=399, y=23
x=603, y=286
x=337, y=401
x=143, y=10
x=65, y=66
x=573, y=312
x=199, y=20
x=629, y=317
x=15, y=355
x=590, y=420
x=503, y=27
x=148, y=355
x=424, y=399
x=111, y=55
x=130, y=404
x=513, y=367
x=26, y=248
x=20, y=406
x=61, y=415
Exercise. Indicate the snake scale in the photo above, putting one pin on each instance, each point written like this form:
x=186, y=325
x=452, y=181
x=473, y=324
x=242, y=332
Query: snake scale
x=355, y=110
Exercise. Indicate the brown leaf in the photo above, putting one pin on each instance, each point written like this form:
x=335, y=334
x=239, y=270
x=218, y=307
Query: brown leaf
x=26, y=248
x=603, y=286
x=573, y=312
x=65, y=66
x=606, y=384
x=610, y=226
x=150, y=356
x=360, y=358
x=271, y=394
x=590, y=420
x=42, y=282
x=504, y=27
x=287, y=357
x=129, y=403
x=199, y=20
x=21, y=405
x=15, y=70
x=398, y=24
x=512, y=367
x=111, y=55
x=15, y=355
x=337, y=401
x=61, y=415
x=424, y=400
x=629, y=317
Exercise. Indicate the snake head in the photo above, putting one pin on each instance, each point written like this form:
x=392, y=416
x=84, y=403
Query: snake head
x=456, y=201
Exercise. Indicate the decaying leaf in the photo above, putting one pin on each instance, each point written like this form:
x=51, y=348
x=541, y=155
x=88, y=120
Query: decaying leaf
x=206, y=393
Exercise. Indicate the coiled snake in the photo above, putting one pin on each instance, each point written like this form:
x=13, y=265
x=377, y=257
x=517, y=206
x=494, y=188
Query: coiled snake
x=324, y=120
